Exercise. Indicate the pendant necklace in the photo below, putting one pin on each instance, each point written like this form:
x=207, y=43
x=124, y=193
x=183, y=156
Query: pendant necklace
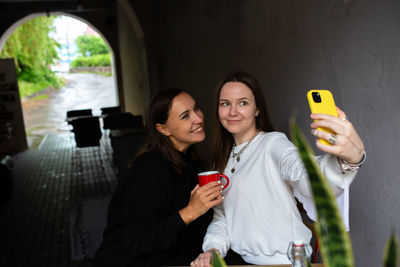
x=237, y=155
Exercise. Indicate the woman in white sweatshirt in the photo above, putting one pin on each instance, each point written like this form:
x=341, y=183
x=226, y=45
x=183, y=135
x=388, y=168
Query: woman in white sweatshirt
x=258, y=216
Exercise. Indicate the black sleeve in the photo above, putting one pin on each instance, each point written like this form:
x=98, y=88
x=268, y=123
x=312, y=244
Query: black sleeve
x=150, y=223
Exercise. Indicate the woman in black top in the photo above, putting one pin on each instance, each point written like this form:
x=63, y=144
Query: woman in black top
x=158, y=216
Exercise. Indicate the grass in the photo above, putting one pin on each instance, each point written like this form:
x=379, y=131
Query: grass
x=28, y=88
x=39, y=97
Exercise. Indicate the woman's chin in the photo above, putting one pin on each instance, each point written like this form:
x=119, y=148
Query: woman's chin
x=198, y=137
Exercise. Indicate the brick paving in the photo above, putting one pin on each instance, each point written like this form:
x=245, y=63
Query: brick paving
x=34, y=225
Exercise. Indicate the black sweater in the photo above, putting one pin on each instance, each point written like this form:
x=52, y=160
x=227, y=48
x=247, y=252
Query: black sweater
x=144, y=227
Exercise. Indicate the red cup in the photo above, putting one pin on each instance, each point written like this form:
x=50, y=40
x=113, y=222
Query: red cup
x=211, y=176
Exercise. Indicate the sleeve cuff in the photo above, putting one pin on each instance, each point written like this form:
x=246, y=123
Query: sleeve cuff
x=208, y=245
x=177, y=223
x=333, y=172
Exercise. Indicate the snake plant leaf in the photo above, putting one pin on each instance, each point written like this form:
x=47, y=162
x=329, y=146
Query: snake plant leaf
x=390, y=255
x=217, y=260
x=308, y=263
x=335, y=245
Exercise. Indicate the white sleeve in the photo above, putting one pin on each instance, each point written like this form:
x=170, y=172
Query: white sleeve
x=292, y=169
x=340, y=184
x=217, y=235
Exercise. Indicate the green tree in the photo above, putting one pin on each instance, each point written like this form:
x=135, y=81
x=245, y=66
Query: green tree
x=89, y=45
x=33, y=50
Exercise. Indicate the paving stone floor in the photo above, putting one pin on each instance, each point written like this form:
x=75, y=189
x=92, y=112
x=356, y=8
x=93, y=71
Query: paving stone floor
x=34, y=224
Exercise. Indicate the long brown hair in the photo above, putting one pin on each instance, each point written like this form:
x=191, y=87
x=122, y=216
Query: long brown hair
x=222, y=139
x=158, y=112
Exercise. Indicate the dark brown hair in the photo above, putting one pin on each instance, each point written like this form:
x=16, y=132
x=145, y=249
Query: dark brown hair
x=158, y=113
x=222, y=139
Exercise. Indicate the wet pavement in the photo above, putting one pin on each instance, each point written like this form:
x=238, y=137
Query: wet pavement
x=82, y=91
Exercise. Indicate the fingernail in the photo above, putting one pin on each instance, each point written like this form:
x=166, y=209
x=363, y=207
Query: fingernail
x=219, y=182
x=220, y=190
x=222, y=198
x=222, y=186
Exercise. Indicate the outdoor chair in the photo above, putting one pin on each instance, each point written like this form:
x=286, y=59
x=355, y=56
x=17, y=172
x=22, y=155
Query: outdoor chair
x=74, y=114
x=316, y=254
x=122, y=120
x=88, y=219
x=78, y=113
x=6, y=179
x=110, y=110
x=87, y=131
x=125, y=145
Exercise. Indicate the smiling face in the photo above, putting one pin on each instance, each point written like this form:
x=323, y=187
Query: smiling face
x=185, y=124
x=237, y=111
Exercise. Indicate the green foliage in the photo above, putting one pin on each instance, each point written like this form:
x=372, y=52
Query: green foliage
x=335, y=243
x=32, y=47
x=91, y=45
x=40, y=97
x=217, y=260
x=96, y=48
x=93, y=61
x=391, y=253
x=33, y=51
x=29, y=88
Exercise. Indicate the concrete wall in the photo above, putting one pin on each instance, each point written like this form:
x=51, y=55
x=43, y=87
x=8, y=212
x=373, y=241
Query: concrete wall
x=349, y=47
x=148, y=14
x=133, y=61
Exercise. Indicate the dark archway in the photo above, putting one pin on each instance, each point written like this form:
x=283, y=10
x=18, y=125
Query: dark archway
x=117, y=23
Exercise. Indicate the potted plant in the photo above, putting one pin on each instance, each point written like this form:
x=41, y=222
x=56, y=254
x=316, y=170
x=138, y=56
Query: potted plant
x=335, y=245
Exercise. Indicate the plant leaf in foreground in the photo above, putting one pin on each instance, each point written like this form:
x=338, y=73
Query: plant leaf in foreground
x=335, y=243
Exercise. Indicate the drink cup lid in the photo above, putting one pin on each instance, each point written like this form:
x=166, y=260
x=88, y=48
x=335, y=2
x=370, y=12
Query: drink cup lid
x=298, y=243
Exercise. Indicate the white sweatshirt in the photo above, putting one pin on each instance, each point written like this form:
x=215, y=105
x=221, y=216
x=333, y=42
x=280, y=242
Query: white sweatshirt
x=258, y=216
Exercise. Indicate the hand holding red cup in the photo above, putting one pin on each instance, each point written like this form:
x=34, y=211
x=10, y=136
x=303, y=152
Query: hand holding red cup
x=211, y=176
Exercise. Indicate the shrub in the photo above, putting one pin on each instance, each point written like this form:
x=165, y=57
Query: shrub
x=93, y=61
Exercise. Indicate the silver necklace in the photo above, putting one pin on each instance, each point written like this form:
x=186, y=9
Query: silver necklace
x=237, y=155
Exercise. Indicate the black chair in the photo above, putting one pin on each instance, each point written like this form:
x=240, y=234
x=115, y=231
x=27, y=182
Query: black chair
x=110, y=110
x=79, y=113
x=125, y=146
x=122, y=120
x=87, y=131
x=6, y=180
x=316, y=254
x=88, y=219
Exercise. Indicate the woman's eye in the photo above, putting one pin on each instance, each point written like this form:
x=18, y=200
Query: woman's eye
x=243, y=103
x=184, y=117
x=224, y=104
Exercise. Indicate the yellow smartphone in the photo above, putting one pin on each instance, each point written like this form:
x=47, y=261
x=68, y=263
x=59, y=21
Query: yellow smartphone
x=321, y=101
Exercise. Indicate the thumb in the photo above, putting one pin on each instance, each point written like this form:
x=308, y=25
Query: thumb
x=195, y=188
x=341, y=113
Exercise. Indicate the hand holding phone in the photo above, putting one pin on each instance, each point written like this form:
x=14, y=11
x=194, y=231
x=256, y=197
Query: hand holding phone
x=321, y=101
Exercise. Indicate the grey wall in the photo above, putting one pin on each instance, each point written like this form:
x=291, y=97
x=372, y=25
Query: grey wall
x=349, y=47
x=135, y=93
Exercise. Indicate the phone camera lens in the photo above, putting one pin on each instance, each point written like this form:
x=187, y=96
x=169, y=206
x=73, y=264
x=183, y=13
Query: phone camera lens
x=317, y=97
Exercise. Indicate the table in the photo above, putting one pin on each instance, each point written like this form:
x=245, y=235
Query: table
x=114, y=133
x=70, y=119
x=281, y=265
